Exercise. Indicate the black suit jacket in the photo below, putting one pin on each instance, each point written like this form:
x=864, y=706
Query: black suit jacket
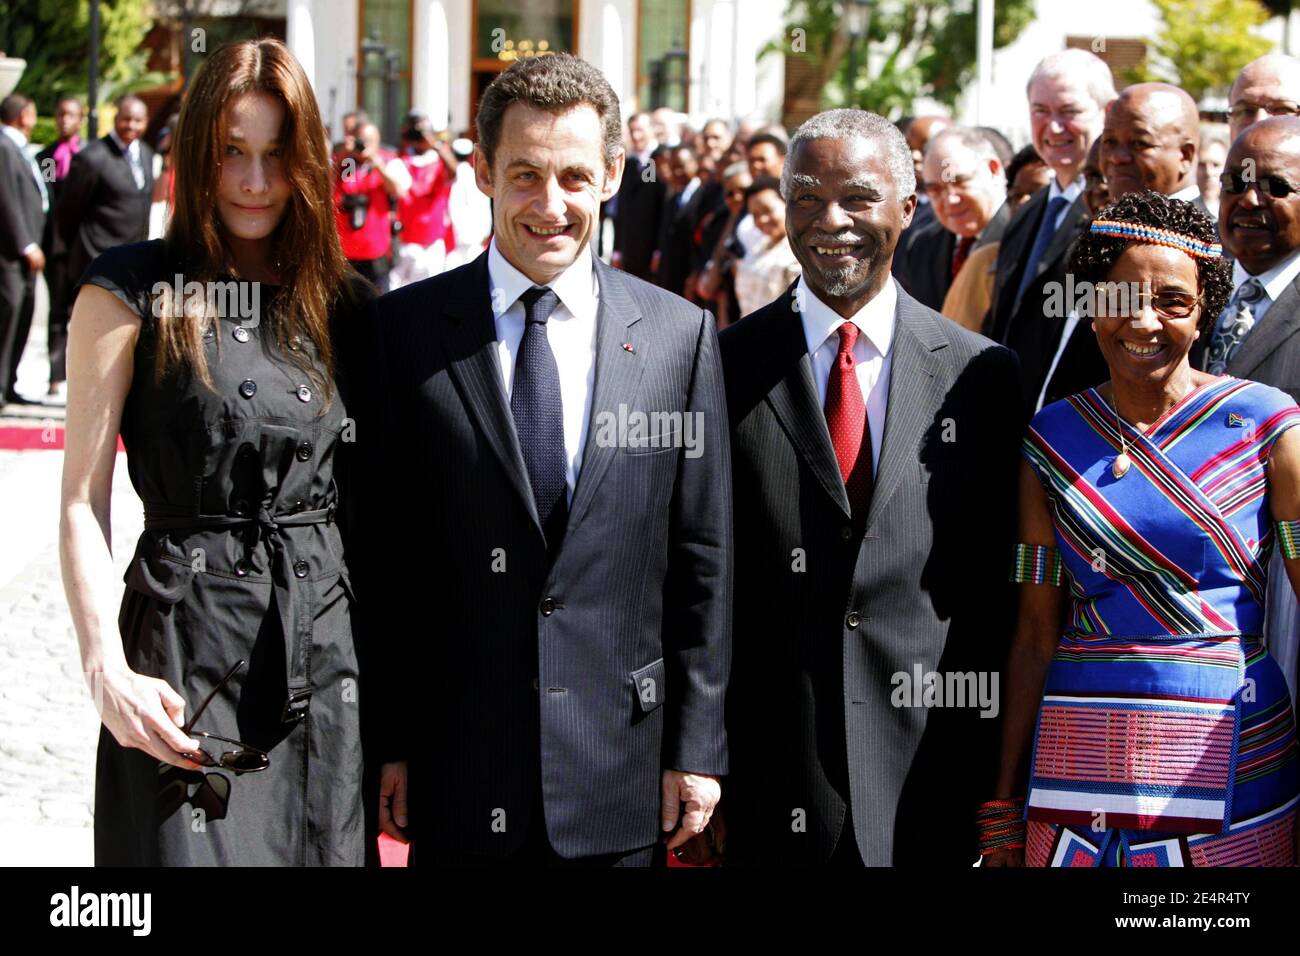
x=832, y=621
x=501, y=671
x=1271, y=352
x=677, y=237
x=1032, y=327
x=636, y=217
x=22, y=219
x=923, y=263
x=99, y=205
x=53, y=243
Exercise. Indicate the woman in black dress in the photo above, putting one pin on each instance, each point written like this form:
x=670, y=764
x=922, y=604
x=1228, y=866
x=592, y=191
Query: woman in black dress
x=213, y=352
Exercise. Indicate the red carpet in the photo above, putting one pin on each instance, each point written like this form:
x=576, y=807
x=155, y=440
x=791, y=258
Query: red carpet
x=35, y=437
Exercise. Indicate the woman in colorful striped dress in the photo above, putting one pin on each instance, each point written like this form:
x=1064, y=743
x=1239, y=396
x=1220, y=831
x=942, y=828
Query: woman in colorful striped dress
x=1146, y=724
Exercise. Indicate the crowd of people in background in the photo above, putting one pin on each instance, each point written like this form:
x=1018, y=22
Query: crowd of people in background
x=699, y=212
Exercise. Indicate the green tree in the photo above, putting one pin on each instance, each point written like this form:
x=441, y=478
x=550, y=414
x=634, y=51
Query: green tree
x=1203, y=44
x=917, y=48
x=53, y=38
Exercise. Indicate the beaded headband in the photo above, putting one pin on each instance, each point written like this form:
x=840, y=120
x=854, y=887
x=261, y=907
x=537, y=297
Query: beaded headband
x=1160, y=237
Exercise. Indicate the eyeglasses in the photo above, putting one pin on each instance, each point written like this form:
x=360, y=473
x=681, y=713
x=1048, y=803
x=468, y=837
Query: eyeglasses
x=960, y=185
x=1128, y=304
x=1248, y=111
x=1274, y=186
x=244, y=760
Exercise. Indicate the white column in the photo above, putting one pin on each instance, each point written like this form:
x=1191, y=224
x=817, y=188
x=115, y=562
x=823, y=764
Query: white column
x=431, y=71
x=456, y=66
x=300, y=37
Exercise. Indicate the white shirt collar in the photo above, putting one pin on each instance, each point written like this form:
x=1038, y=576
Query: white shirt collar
x=1187, y=193
x=15, y=134
x=576, y=286
x=875, y=320
x=133, y=149
x=1275, y=280
x=1070, y=192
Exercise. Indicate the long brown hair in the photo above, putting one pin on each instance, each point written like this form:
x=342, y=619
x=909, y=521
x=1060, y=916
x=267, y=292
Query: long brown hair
x=305, y=245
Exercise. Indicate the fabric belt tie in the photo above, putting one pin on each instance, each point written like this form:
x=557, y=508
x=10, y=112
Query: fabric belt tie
x=295, y=627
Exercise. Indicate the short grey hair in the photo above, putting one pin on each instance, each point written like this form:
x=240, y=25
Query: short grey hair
x=849, y=123
x=976, y=140
x=736, y=169
x=1077, y=65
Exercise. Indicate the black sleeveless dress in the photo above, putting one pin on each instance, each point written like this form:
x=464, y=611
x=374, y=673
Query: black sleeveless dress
x=241, y=559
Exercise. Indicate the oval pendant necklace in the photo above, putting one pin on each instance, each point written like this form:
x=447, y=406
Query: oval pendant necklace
x=1120, y=466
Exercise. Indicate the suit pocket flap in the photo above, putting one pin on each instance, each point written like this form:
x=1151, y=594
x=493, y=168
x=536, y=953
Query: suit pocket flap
x=648, y=682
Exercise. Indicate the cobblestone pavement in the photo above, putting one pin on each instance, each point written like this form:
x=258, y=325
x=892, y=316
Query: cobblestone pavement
x=48, y=725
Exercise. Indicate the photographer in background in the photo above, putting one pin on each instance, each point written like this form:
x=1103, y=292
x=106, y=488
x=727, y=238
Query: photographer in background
x=368, y=180
x=425, y=231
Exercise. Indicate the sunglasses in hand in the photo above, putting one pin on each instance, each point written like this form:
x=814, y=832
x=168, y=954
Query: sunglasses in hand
x=244, y=760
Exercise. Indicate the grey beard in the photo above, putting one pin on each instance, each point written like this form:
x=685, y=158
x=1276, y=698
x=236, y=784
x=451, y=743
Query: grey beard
x=846, y=281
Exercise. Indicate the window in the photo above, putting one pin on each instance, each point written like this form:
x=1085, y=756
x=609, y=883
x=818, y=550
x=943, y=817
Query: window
x=384, y=75
x=663, y=33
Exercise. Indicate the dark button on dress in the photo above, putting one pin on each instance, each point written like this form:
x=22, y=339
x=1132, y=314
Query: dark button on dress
x=241, y=558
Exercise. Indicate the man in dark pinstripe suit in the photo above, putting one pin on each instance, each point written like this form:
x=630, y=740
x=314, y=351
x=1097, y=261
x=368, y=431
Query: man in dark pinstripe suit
x=551, y=620
x=874, y=446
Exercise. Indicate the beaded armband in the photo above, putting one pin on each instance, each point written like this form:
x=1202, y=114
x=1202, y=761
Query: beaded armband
x=1288, y=538
x=1037, y=564
x=1001, y=825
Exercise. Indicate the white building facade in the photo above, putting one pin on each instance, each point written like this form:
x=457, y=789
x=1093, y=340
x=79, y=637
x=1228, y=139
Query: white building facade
x=700, y=57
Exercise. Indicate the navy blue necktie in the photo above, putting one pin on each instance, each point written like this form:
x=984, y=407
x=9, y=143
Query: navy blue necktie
x=536, y=405
x=1046, y=232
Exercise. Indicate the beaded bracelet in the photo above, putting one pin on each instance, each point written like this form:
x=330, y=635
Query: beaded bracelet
x=1001, y=825
x=1288, y=538
x=1036, y=564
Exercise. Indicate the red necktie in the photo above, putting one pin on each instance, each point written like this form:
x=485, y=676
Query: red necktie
x=846, y=417
x=960, y=253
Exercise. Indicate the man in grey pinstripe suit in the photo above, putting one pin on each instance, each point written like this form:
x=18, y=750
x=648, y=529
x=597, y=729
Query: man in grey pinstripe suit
x=551, y=622
x=874, y=446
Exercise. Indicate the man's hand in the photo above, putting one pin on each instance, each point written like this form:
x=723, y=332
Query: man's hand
x=699, y=792
x=392, y=800
x=35, y=259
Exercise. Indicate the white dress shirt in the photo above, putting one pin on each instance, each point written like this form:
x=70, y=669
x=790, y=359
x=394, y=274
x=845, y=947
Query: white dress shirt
x=871, y=353
x=133, y=158
x=1188, y=193
x=20, y=141
x=1274, y=281
x=1069, y=193
x=571, y=332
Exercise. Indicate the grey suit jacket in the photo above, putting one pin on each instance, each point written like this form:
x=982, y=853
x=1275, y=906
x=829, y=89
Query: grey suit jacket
x=837, y=618
x=500, y=673
x=1271, y=352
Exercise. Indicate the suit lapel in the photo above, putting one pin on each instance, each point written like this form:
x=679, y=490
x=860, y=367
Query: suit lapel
x=794, y=400
x=911, y=396
x=477, y=370
x=618, y=376
x=1281, y=321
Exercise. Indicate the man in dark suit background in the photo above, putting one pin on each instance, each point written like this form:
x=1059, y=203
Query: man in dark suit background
x=23, y=205
x=691, y=197
x=1068, y=94
x=1149, y=140
x=874, y=449
x=55, y=161
x=556, y=431
x=105, y=200
x=639, y=202
x=919, y=131
x=1258, y=335
x=967, y=186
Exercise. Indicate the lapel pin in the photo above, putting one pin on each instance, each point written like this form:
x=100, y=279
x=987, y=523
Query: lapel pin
x=627, y=347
